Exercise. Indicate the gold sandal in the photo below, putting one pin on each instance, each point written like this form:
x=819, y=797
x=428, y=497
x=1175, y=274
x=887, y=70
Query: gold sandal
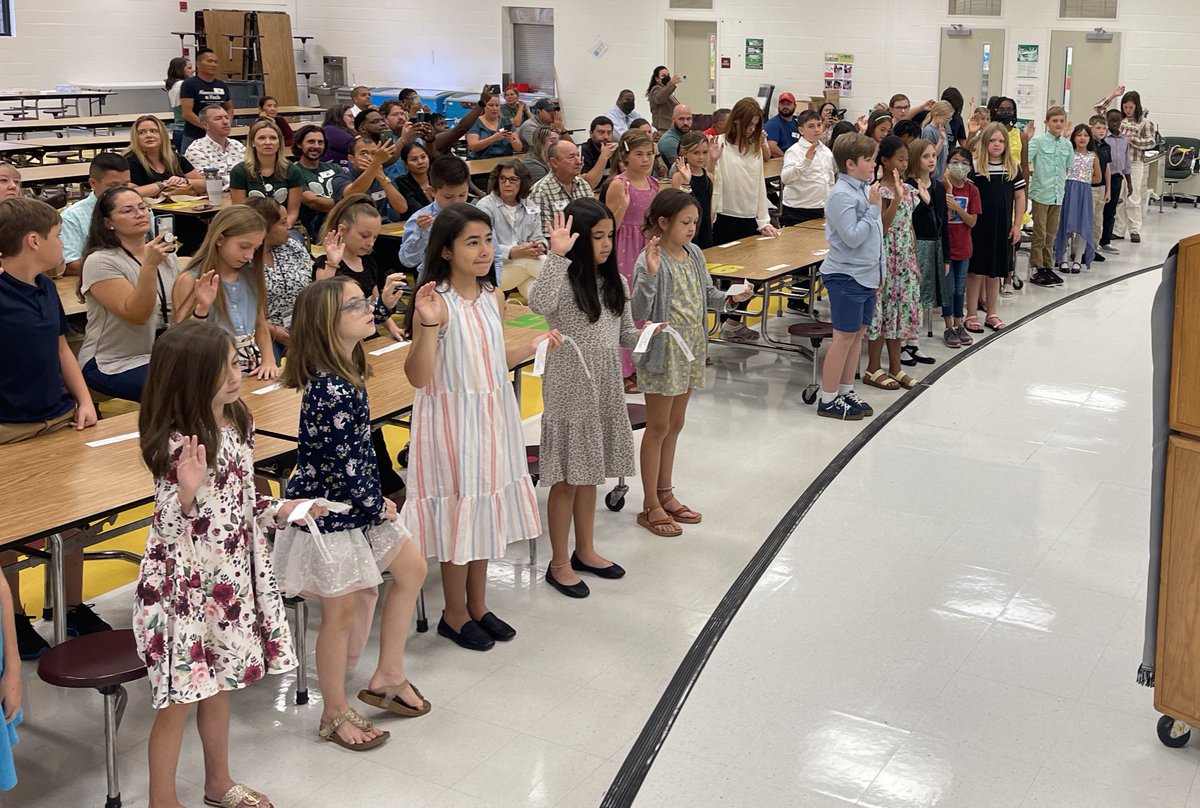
x=389, y=699
x=880, y=378
x=328, y=731
x=237, y=796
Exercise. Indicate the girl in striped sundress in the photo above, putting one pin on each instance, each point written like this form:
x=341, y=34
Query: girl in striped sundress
x=469, y=490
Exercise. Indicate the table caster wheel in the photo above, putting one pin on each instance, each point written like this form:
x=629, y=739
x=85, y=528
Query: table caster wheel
x=613, y=501
x=810, y=394
x=1172, y=733
x=1018, y=283
x=402, y=457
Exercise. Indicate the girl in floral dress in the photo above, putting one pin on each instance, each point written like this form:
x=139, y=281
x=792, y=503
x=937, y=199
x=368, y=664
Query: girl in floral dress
x=628, y=196
x=897, y=307
x=336, y=460
x=469, y=490
x=208, y=617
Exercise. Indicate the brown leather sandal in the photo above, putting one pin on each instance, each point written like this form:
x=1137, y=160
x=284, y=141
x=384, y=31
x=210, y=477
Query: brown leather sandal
x=683, y=514
x=659, y=527
x=389, y=699
x=328, y=731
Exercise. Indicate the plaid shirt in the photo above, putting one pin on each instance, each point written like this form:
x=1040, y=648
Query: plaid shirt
x=205, y=153
x=549, y=195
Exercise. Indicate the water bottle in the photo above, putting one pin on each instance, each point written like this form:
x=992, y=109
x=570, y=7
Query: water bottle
x=214, y=186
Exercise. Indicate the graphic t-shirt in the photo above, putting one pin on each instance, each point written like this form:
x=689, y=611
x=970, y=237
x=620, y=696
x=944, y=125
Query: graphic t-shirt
x=203, y=94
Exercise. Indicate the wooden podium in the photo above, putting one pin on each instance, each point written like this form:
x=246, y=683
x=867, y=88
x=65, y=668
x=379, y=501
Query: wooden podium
x=252, y=45
x=1177, y=662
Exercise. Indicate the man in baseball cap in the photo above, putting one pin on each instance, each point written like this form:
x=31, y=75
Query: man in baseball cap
x=543, y=112
x=782, y=130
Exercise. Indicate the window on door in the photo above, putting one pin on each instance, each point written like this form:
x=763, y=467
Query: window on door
x=533, y=56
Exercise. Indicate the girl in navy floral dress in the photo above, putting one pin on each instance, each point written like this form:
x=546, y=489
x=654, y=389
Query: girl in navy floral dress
x=207, y=617
x=341, y=565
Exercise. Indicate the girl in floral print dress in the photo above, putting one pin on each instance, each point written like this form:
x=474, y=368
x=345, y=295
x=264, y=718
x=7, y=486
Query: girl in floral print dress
x=336, y=460
x=208, y=616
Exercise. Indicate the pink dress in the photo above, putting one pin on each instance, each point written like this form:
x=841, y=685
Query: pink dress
x=630, y=243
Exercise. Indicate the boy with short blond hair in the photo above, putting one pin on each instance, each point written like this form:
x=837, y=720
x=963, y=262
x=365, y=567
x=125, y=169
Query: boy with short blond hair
x=1050, y=156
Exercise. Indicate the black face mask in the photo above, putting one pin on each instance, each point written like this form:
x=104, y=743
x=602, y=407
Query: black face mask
x=665, y=80
x=625, y=106
x=1006, y=118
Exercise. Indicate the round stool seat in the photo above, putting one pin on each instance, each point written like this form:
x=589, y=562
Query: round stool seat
x=637, y=415
x=812, y=330
x=100, y=660
x=533, y=455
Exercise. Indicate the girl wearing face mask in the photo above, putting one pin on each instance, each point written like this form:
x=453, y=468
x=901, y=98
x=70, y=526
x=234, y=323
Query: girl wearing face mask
x=962, y=203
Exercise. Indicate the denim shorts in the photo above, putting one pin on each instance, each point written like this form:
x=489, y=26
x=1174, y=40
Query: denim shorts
x=851, y=305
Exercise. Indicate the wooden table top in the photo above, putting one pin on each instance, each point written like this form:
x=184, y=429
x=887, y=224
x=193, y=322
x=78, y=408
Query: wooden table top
x=773, y=168
x=67, y=286
x=765, y=259
x=127, y=119
x=44, y=144
x=193, y=207
x=277, y=411
x=40, y=94
x=57, y=481
x=484, y=165
x=812, y=224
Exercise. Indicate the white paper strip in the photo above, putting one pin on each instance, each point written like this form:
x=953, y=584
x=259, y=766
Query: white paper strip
x=262, y=391
x=539, y=357
x=113, y=439
x=820, y=252
x=777, y=266
x=644, y=338
x=737, y=289
x=729, y=244
x=764, y=238
x=675, y=335
x=387, y=349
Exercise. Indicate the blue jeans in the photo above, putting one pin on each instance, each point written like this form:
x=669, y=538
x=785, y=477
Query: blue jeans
x=127, y=385
x=956, y=283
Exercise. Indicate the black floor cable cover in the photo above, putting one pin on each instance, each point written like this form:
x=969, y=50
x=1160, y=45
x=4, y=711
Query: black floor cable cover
x=629, y=779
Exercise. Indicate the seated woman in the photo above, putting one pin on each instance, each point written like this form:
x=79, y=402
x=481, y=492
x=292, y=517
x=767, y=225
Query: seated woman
x=339, y=133
x=155, y=168
x=268, y=110
x=414, y=186
x=127, y=284
x=537, y=161
x=516, y=225
x=266, y=173
x=514, y=108
x=287, y=268
x=492, y=135
x=10, y=181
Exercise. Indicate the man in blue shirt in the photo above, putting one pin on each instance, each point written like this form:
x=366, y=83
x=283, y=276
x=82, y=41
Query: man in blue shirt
x=108, y=170
x=782, y=130
x=450, y=180
x=681, y=124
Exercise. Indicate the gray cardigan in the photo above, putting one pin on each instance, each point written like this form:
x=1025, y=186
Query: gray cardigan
x=651, y=301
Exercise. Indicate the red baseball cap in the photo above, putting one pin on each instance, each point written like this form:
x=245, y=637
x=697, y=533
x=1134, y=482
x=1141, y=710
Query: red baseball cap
x=787, y=97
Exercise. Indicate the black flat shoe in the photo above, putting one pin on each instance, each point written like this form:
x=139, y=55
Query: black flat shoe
x=611, y=571
x=497, y=628
x=470, y=636
x=579, y=590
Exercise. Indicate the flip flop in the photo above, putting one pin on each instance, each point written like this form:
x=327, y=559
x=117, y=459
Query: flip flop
x=904, y=380
x=658, y=526
x=328, y=731
x=995, y=323
x=881, y=379
x=238, y=795
x=389, y=699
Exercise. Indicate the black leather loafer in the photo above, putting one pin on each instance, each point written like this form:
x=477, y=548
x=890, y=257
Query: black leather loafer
x=611, y=571
x=471, y=636
x=497, y=628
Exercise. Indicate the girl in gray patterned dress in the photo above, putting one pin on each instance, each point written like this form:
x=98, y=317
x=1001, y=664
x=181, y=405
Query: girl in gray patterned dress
x=586, y=436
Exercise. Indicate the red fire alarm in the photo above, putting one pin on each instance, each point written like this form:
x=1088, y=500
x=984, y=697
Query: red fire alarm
x=726, y=61
x=183, y=5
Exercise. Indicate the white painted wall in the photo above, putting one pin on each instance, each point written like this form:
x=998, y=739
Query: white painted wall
x=458, y=44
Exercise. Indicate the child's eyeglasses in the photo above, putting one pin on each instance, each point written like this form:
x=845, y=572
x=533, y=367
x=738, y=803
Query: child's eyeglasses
x=358, y=305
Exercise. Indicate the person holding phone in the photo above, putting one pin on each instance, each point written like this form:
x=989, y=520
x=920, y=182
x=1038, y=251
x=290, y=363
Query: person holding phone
x=492, y=135
x=544, y=112
x=661, y=95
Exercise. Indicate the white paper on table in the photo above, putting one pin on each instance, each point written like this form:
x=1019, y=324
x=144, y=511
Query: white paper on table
x=113, y=439
x=729, y=244
x=777, y=266
x=262, y=391
x=737, y=289
x=764, y=238
x=820, y=252
x=300, y=514
x=388, y=348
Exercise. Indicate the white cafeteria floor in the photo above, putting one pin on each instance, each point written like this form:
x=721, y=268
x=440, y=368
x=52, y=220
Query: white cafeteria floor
x=956, y=622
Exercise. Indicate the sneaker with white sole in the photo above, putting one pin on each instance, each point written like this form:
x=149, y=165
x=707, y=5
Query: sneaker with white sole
x=854, y=400
x=1110, y=249
x=736, y=331
x=950, y=337
x=839, y=408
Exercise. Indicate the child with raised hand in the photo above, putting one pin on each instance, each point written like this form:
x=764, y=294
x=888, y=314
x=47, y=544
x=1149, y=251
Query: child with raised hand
x=336, y=461
x=692, y=175
x=208, y=617
x=932, y=238
x=963, y=207
x=1075, y=231
x=586, y=437
x=897, y=305
x=10, y=687
x=226, y=277
x=997, y=175
x=671, y=284
x=348, y=233
x=629, y=196
x=470, y=493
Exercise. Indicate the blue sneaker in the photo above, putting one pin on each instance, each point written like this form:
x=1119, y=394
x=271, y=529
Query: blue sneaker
x=852, y=398
x=839, y=408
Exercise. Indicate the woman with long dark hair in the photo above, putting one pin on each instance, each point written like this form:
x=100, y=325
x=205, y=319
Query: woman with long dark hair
x=661, y=94
x=179, y=69
x=339, y=133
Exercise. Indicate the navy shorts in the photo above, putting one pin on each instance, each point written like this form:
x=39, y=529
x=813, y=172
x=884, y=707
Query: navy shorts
x=851, y=305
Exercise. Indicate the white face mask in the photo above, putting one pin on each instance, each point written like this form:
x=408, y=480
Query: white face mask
x=959, y=170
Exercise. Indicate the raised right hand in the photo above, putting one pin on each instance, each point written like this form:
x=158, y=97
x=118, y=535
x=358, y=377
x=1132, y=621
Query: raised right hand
x=653, y=256
x=206, y=289
x=561, y=237
x=335, y=248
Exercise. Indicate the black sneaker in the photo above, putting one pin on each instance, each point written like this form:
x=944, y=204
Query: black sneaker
x=852, y=398
x=82, y=620
x=1099, y=257
x=30, y=644
x=1055, y=278
x=839, y=408
x=1041, y=277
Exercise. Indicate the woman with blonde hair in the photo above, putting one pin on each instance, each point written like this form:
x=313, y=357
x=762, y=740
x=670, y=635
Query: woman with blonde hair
x=538, y=159
x=155, y=168
x=225, y=278
x=266, y=172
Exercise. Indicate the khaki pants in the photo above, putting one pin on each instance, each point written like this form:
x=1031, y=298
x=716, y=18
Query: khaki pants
x=1097, y=214
x=15, y=433
x=1045, y=228
x=519, y=274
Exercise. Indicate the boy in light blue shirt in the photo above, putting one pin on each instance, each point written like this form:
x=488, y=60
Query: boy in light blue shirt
x=851, y=271
x=450, y=179
x=1050, y=156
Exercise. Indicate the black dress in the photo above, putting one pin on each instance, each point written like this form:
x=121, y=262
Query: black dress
x=992, y=247
x=702, y=189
